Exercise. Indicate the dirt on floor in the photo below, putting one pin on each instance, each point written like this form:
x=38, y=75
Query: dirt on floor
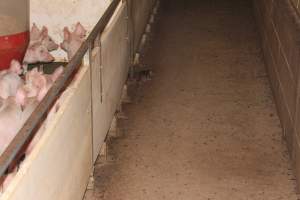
x=205, y=127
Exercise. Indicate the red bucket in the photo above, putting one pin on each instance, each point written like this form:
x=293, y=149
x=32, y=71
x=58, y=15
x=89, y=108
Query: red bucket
x=12, y=47
x=14, y=30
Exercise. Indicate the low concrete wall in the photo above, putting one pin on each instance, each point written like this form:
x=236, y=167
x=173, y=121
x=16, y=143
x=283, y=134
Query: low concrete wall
x=279, y=25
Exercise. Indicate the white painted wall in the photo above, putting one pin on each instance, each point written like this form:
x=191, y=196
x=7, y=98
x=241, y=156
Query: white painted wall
x=56, y=14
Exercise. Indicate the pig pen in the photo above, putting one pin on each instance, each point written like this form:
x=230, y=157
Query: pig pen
x=61, y=163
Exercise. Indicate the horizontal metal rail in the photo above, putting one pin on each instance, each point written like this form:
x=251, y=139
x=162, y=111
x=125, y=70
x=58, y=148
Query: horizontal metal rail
x=41, y=110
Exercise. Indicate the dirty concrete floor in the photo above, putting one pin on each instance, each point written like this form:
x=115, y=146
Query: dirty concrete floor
x=205, y=127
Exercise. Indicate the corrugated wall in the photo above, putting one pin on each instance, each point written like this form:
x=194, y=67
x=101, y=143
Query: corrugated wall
x=279, y=25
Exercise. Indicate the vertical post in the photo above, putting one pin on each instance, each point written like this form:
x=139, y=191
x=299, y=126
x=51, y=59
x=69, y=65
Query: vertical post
x=88, y=60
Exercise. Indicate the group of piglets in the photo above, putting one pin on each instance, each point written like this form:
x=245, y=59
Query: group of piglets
x=19, y=96
x=41, y=44
x=22, y=90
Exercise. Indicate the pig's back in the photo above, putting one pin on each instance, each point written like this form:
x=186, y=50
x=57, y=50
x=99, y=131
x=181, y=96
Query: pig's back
x=10, y=124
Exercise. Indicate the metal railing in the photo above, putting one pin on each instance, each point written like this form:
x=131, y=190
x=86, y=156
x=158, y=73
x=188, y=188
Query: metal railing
x=27, y=131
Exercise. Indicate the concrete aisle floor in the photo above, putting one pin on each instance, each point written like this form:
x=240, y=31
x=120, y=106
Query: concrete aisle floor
x=205, y=127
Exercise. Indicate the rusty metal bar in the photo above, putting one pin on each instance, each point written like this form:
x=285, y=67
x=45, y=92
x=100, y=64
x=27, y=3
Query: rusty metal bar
x=37, y=116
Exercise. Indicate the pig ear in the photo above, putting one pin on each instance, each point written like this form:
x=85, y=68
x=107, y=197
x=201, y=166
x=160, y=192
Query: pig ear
x=21, y=97
x=79, y=30
x=35, y=28
x=35, y=32
x=44, y=32
x=67, y=33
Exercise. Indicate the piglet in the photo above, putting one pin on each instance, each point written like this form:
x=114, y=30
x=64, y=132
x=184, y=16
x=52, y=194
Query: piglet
x=15, y=67
x=38, y=83
x=37, y=52
x=10, y=80
x=33, y=83
x=73, y=40
x=11, y=118
x=14, y=112
x=46, y=81
x=42, y=36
